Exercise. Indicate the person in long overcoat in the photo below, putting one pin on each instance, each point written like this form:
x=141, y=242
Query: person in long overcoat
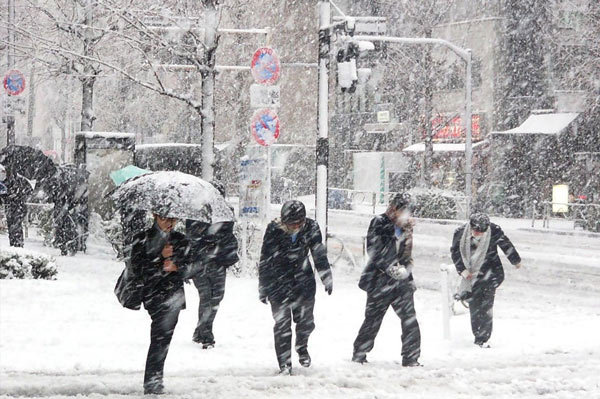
x=388, y=280
x=18, y=189
x=287, y=281
x=158, y=257
x=484, y=274
x=215, y=247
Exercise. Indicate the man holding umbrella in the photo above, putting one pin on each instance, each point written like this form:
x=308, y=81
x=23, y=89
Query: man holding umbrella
x=16, y=190
x=156, y=257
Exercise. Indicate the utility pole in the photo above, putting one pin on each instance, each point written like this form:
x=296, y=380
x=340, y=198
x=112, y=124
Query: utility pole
x=208, y=89
x=10, y=117
x=322, y=148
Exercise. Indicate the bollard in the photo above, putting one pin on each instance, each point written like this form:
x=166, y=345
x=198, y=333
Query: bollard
x=446, y=300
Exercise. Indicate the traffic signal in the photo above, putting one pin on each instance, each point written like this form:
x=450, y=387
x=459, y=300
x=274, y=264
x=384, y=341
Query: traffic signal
x=348, y=74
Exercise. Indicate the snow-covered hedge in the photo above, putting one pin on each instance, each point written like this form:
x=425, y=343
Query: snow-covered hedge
x=434, y=204
x=23, y=264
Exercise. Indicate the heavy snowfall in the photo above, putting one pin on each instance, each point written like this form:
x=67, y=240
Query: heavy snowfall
x=300, y=199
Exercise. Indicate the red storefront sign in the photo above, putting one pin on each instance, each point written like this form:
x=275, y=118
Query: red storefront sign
x=453, y=129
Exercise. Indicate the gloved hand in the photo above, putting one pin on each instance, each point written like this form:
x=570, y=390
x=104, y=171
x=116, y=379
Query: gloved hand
x=467, y=275
x=263, y=299
x=329, y=287
x=398, y=272
x=518, y=265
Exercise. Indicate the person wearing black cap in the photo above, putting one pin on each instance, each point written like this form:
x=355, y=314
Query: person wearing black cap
x=483, y=273
x=287, y=281
x=387, y=279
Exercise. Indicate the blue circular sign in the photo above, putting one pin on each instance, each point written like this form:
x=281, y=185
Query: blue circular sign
x=14, y=82
x=265, y=66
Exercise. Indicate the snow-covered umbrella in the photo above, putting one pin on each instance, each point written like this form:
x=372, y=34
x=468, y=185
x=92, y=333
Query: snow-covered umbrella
x=174, y=194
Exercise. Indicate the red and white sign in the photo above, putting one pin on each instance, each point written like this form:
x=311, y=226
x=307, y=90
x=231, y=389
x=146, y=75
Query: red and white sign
x=454, y=128
x=14, y=82
x=265, y=126
x=265, y=66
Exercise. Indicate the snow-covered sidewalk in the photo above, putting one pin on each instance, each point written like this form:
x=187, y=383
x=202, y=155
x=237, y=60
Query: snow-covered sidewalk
x=70, y=337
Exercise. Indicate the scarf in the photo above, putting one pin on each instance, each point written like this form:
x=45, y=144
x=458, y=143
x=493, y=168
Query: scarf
x=477, y=255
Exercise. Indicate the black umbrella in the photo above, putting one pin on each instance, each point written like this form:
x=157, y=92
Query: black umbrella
x=28, y=162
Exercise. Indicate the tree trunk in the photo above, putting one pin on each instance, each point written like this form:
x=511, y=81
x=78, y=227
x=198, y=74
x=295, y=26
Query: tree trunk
x=89, y=78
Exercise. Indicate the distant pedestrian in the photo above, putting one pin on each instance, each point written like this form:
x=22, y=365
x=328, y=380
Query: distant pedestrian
x=484, y=272
x=16, y=190
x=159, y=257
x=287, y=281
x=388, y=280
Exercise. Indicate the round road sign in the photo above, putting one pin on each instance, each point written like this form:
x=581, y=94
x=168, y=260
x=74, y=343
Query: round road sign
x=265, y=126
x=14, y=82
x=265, y=66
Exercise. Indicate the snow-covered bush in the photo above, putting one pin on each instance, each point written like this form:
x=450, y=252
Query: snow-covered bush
x=23, y=264
x=433, y=204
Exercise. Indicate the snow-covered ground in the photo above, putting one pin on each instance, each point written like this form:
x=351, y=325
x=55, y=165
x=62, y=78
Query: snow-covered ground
x=70, y=337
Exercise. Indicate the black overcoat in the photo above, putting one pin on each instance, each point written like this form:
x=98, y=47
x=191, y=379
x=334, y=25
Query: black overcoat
x=384, y=250
x=491, y=271
x=285, y=271
x=147, y=264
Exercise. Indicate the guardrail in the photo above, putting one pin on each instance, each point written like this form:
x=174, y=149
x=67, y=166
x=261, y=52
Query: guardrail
x=579, y=214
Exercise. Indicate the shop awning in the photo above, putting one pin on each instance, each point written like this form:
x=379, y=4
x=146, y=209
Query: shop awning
x=442, y=147
x=551, y=124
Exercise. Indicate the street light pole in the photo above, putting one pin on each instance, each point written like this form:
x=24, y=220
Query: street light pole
x=322, y=148
x=465, y=55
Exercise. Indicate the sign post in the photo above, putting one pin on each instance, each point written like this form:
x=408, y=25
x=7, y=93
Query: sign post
x=14, y=84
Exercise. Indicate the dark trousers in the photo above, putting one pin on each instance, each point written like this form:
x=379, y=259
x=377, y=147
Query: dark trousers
x=481, y=308
x=402, y=301
x=164, y=319
x=211, y=289
x=15, y=213
x=301, y=311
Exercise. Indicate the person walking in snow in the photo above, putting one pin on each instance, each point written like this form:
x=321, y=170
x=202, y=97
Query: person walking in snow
x=388, y=280
x=214, y=247
x=159, y=256
x=287, y=281
x=484, y=273
x=15, y=190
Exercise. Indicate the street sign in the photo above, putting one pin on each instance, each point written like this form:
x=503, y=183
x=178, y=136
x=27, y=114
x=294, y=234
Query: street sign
x=264, y=96
x=265, y=66
x=265, y=126
x=14, y=82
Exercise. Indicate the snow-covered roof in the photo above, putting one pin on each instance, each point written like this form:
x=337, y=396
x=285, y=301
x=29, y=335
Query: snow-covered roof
x=161, y=145
x=442, y=147
x=543, y=124
x=107, y=135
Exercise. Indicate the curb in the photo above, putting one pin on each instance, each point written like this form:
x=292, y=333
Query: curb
x=561, y=232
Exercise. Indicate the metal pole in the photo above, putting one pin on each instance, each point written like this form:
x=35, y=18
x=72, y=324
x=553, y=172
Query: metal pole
x=322, y=150
x=468, y=143
x=10, y=60
x=268, y=183
x=208, y=91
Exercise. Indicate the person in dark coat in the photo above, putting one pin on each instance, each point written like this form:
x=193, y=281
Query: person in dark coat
x=215, y=247
x=17, y=190
x=287, y=281
x=387, y=279
x=484, y=273
x=62, y=195
x=159, y=256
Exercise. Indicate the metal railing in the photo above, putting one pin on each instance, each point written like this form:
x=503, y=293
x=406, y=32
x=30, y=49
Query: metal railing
x=577, y=212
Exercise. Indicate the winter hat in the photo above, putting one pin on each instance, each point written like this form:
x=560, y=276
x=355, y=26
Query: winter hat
x=479, y=221
x=293, y=211
x=400, y=201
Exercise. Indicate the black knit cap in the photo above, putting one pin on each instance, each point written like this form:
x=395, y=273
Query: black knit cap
x=479, y=221
x=293, y=211
x=401, y=200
